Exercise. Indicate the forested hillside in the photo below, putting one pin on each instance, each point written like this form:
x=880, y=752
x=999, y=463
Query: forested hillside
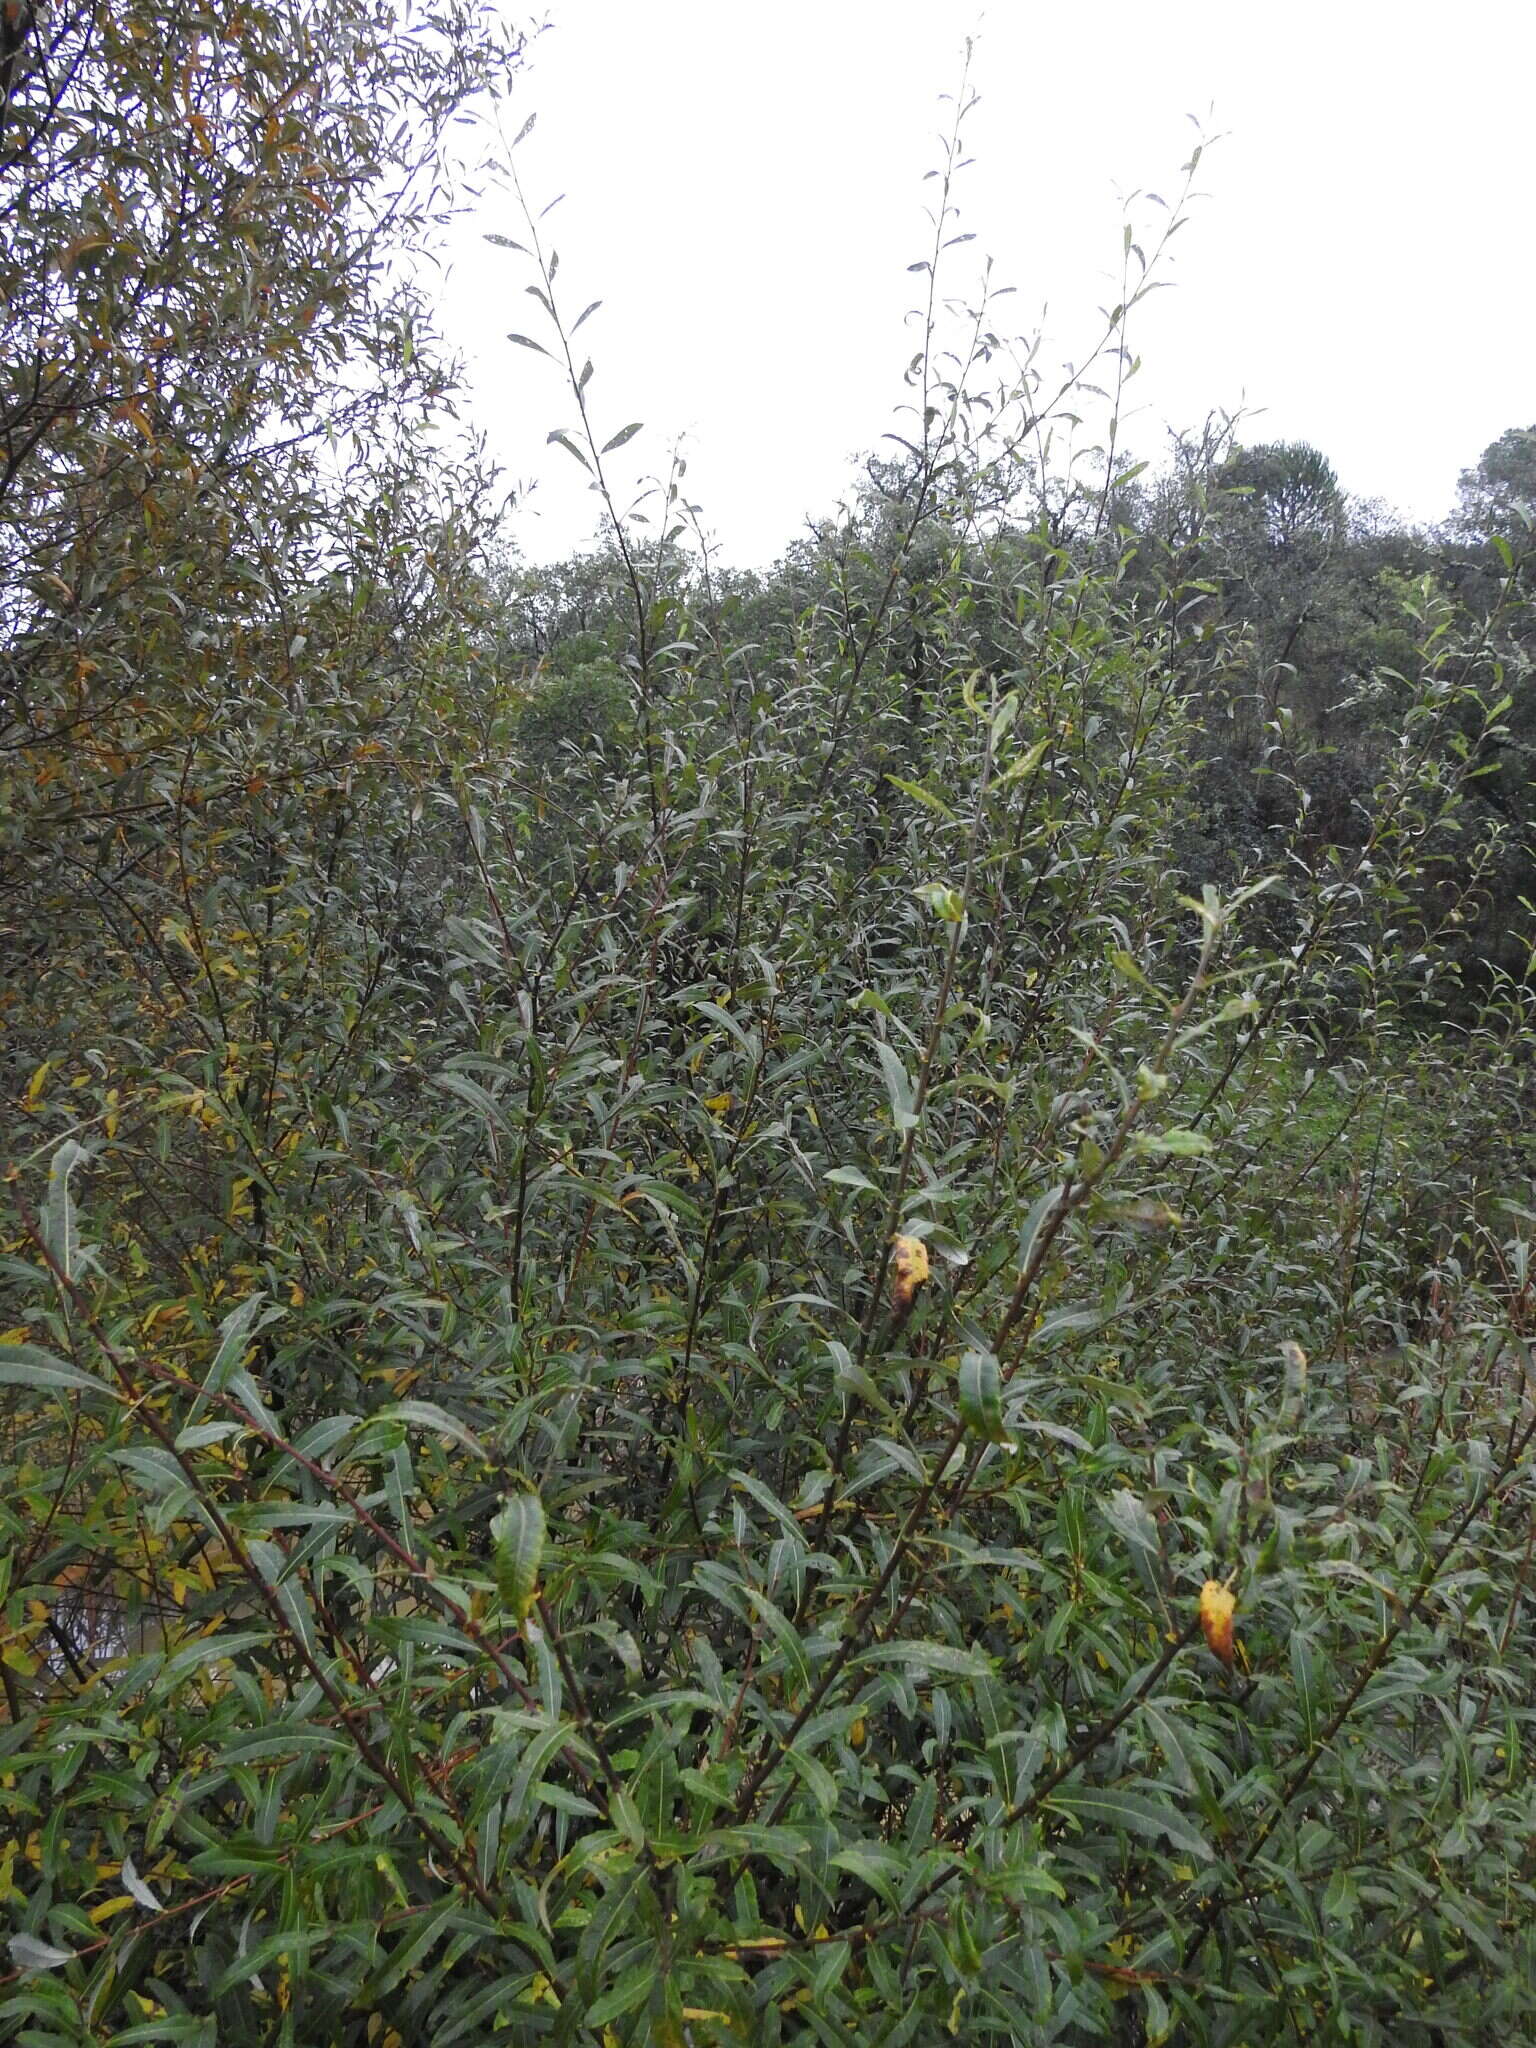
x=738, y=1307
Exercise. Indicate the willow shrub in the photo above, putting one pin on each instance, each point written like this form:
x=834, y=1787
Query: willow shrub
x=641, y=1380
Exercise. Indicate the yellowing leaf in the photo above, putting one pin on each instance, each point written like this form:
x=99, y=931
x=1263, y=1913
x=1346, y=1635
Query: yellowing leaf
x=1217, y=1607
x=909, y=1270
x=85, y=245
x=108, y=1909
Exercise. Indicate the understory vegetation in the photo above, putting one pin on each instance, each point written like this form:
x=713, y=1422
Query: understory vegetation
x=736, y=1307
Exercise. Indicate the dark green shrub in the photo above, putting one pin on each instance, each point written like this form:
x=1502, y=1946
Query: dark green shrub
x=502, y=1538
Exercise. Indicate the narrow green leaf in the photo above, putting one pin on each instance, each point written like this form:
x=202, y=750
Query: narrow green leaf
x=980, y=1389
x=1039, y=1214
x=920, y=795
x=28, y=1953
x=518, y=1535
x=1027, y=762
x=882, y=1869
x=563, y=440
x=948, y=1660
x=24, y=1365
x=291, y=1942
x=427, y=1415
x=234, y=1335
x=629, y=1992
x=1104, y=1806
x=1131, y=1518
x=898, y=1085
x=1304, y=1676
x=1179, y=1144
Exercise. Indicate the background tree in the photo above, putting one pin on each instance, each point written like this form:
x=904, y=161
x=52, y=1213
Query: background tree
x=1497, y=494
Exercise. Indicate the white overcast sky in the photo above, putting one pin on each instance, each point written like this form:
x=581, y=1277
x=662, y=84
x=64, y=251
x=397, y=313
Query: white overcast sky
x=743, y=189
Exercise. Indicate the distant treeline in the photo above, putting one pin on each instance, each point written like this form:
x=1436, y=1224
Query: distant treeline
x=1295, y=618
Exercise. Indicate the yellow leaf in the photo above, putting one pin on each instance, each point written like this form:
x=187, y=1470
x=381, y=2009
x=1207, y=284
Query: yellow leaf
x=1217, y=1607
x=109, y=1908
x=909, y=1270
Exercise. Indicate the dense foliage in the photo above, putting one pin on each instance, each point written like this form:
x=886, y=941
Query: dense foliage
x=737, y=1308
